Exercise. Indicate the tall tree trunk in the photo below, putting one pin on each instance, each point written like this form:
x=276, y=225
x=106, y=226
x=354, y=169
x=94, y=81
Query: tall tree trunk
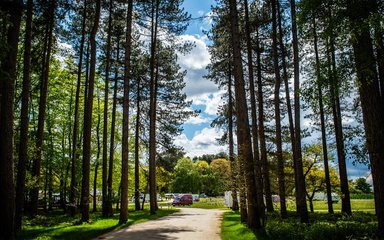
x=335, y=98
x=379, y=43
x=279, y=148
x=258, y=173
x=152, y=106
x=97, y=155
x=300, y=191
x=137, y=144
x=243, y=131
x=50, y=167
x=112, y=140
x=72, y=193
x=88, y=119
x=322, y=121
x=107, y=205
x=234, y=168
x=24, y=121
x=7, y=90
x=124, y=164
x=42, y=107
x=260, y=100
x=291, y=125
x=371, y=100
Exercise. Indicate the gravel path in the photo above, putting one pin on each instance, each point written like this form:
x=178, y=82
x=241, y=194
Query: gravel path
x=187, y=224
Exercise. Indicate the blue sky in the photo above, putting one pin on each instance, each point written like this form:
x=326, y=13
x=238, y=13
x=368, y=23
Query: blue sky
x=198, y=137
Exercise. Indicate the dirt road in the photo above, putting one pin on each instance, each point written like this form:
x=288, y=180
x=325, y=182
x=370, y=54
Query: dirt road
x=187, y=224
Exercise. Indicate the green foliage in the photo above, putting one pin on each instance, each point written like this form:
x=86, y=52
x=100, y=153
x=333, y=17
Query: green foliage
x=361, y=186
x=362, y=196
x=199, y=177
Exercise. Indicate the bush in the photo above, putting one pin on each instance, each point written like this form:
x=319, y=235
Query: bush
x=362, y=196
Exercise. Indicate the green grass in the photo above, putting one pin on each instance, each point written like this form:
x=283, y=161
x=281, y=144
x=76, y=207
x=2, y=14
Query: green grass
x=232, y=229
x=209, y=203
x=361, y=225
x=60, y=226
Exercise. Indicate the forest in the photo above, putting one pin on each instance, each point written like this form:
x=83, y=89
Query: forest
x=92, y=98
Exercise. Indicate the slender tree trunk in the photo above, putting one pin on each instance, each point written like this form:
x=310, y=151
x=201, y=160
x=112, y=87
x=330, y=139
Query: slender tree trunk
x=50, y=167
x=234, y=171
x=322, y=122
x=260, y=100
x=72, y=193
x=137, y=144
x=258, y=173
x=335, y=98
x=42, y=107
x=243, y=131
x=279, y=148
x=7, y=89
x=300, y=191
x=88, y=119
x=291, y=125
x=112, y=140
x=153, y=96
x=124, y=164
x=107, y=205
x=24, y=121
x=97, y=155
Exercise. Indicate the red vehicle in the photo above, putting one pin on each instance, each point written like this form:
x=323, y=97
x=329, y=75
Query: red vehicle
x=182, y=200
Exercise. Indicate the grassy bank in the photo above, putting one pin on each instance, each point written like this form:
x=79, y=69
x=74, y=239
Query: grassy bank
x=57, y=225
x=361, y=225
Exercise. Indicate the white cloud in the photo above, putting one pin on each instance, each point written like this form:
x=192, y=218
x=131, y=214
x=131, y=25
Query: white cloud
x=197, y=120
x=198, y=57
x=203, y=142
x=212, y=101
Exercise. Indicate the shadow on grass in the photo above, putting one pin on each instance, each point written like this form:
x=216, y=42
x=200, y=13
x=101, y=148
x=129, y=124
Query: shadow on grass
x=160, y=233
x=68, y=228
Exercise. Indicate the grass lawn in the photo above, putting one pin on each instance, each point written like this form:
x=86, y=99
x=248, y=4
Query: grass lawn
x=209, y=203
x=58, y=225
x=361, y=225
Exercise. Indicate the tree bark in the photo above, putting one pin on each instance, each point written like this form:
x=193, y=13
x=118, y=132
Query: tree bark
x=322, y=122
x=137, y=144
x=335, y=98
x=72, y=194
x=260, y=100
x=291, y=125
x=88, y=119
x=300, y=191
x=124, y=165
x=153, y=97
x=243, y=132
x=7, y=90
x=279, y=148
x=259, y=166
x=234, y=172
x=371, y=100
x=106, y=205
x=42, y=106
x=112, y=140
x=24, y=121
x=97, y=155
